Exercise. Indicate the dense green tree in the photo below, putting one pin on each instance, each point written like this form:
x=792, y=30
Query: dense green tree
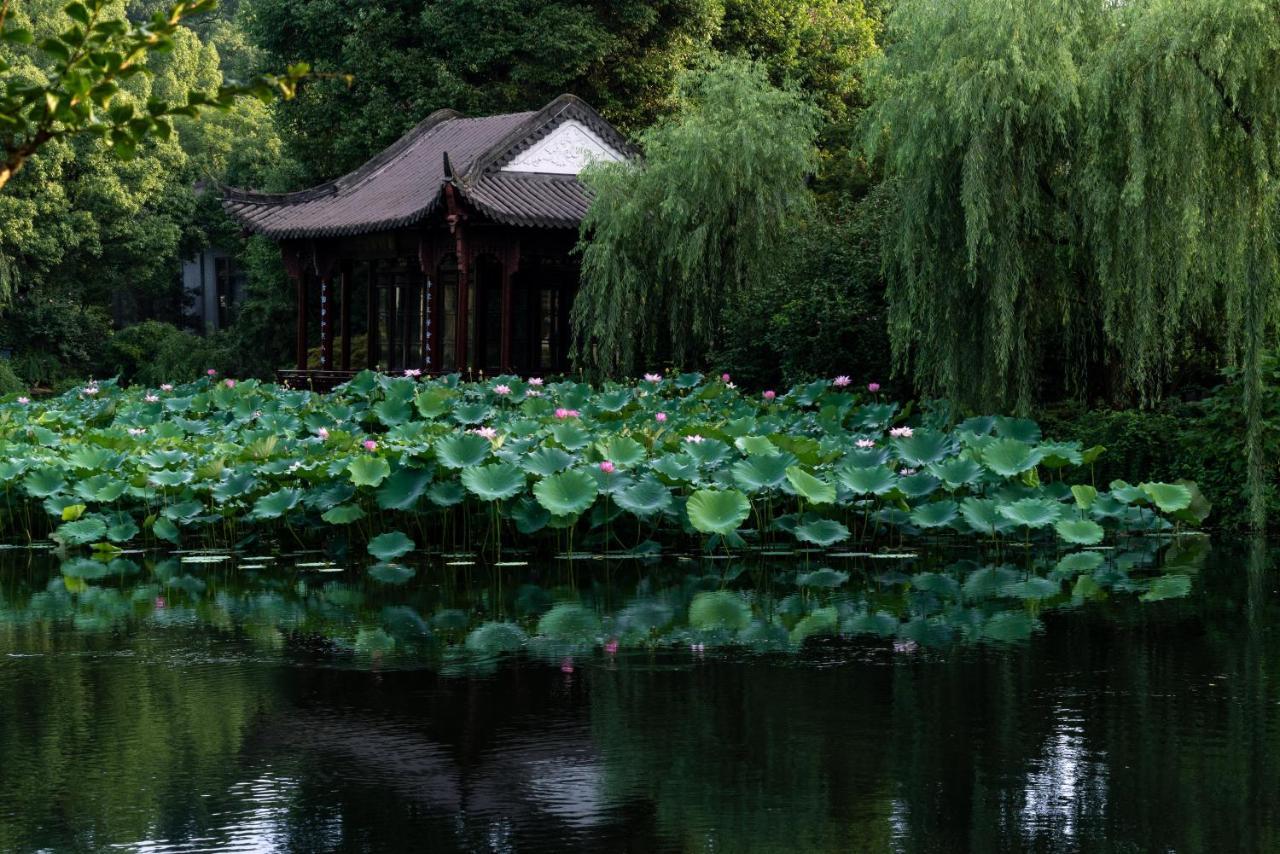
x=667, y=243
x=478, y=56
x=1081, y=183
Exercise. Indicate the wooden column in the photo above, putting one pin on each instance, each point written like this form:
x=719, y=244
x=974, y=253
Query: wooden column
x=456, y=219
x=371, y=305
x=301, y=281
x=510, y=264
x=345, y=309
x=326, y=323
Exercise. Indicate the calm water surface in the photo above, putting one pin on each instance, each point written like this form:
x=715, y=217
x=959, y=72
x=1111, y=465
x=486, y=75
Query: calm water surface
x=248, y=704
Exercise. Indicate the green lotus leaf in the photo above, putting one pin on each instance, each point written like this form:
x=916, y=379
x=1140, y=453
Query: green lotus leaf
x=821, y=532
x=494, y=482
x=368, y=470
x=612, y=401
x=1084, y=495
x=1127, y=494
x=546, y=461
x=121, y=528
x=1056, y=455
x=566, y=494
x=644, y=498
x=811, y=488
x=717, y=511
x=165, y=530
x=719, y=609
x=42, y=483
x=865, y=458
x=757, y=473
x=529, y=516
x=1169, y=497
x=688, y=381
x=936, y=514
x=1032, y=588
x=234, y=485
x=825, y=578
x=1010, y=457
x=918, y=485
x=1032, y=512
x=170, y=478
x=462, y=450
x=957, y=472
x=1198, y=511
x=1079, y=531
x=922, y=447
x=89, y=458
x=276, y=504
x=446, y=493
x=495, y=638
x=677, y=467
x=472, y=413
x=1018, y=429
x=184, y=512
x=755, y=446
x=881, y=624
x=708, y=452
x=571, y=436
x=403, y=489
x=434, y=402
x=867, y=481
x=89, y=529
x=389, y=546
x=392, y=411
x=621, y=450
x=101, y=487
x=569, y=622
x=343, y=514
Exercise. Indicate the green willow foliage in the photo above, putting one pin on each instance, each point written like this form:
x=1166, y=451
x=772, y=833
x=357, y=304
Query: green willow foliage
x=1082, y=182
x=666, y=243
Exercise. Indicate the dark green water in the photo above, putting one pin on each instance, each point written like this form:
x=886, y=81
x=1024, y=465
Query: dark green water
x=170, y=706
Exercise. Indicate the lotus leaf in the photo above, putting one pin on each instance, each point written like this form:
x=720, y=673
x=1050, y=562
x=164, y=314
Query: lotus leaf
x=822, y=532
x=547, y=461
x=957, y=471
x=754, y=446
x=813, y=489
x=867, y=481
x=621, y=450
x=644, y=498
x=343, y=514
x=90, y=529
x=403, y=489
x=1010, y=457
x=446, y=493
x=276, y=504
x=571, y=436
x=368, y=471
x=918, y=485
x=1032, y=512
x=566, y=494
x=494, y=482
x=1079, y=531
x=922, y=447
x=717, y=511
x=389, y=546
x=762, y=472
x=1169, y=497
x=166, y=530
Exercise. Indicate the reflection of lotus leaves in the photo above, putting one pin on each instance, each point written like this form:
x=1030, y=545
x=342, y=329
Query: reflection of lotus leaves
x=1167, y=587
x=986, y=583
x=719, y=609
x=569, y=622
x=881, y=623
x=1009, y=627
x=391, y=573
x=493, y=638
x=644, y=616
x=762, y=637
x=371, y=641
x=822, y=621
x=823, y=578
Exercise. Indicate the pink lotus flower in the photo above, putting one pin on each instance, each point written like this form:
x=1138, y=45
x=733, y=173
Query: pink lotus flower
x=729, y=385
x=770, y=395
x=24, y=400
x=606, y=466
x=724, y=378
x=906, y=472
x=136, y=431
x=536, y=382
x=533, y=392
x=485, y=432
x=211, y=372
x=166, y=386
x=370, y=445
x=611, y=646
x=694, y=438
x=563, y=413
x=502, y=389
x=566, y=665
x=661, y=417
x=901, y=432
x=91, y=390
x=257, y=413
x=323, y=434
x=841, y=381
x=229, y=383
x=413, y=372
x=160, y=603
x=873, y=387
x=653, y=378
x=697, y=648
x=151, y=398
x=865, y=443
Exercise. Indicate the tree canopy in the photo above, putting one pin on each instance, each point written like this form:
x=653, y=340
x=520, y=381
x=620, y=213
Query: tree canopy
x=1081, y=184
x=669, y=241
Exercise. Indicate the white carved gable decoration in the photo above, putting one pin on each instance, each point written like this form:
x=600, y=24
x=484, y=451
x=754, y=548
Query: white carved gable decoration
x=564, y=151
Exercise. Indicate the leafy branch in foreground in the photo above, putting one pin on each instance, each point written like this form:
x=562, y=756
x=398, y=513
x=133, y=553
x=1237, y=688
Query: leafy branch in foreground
x=82, y=87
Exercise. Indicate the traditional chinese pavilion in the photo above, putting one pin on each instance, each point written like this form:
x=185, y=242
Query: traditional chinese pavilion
x=449, y=251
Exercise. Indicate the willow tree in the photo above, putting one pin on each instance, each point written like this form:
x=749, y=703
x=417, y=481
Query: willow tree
x=669, y=239
x=1081, y=181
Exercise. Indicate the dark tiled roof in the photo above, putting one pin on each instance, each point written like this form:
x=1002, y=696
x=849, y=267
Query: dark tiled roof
x=403, y=184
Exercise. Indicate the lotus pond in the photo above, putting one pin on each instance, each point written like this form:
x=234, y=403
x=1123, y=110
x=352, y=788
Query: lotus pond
x=215, y=700
x=393, y=465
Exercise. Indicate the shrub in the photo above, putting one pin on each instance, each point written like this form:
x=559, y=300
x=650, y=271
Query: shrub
x=10, y=382
x=53, y=338
x=153, y=352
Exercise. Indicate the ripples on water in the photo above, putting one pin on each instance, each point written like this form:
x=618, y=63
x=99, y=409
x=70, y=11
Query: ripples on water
x=223, y=709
